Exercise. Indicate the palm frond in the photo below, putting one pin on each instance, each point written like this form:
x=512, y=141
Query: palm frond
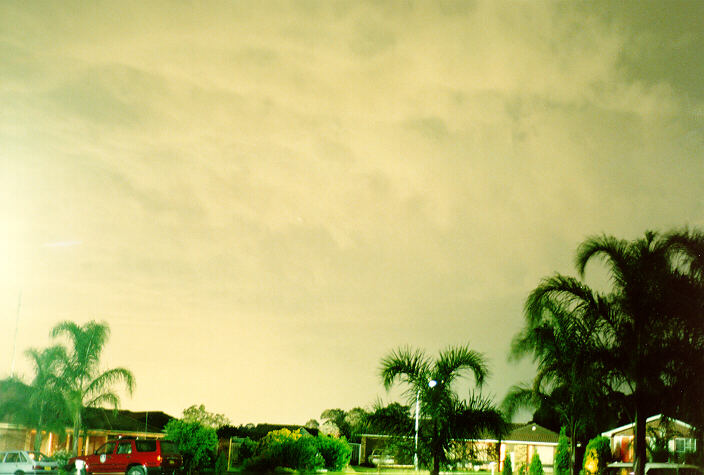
x=615, y=252
x=519, y=397
x=406, y=364
x=454, y=360
x=109, y=378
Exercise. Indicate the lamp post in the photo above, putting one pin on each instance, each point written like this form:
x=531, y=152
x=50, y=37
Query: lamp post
x=431, y=383
x=415, y=455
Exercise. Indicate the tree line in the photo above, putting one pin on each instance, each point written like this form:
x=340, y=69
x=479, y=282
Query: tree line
x=603, y=357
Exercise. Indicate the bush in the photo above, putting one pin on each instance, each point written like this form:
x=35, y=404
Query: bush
x=62, y=457
x=285, y=449
x=562, y=456
x=508, y=468
x=196, y=443
x=247, y=449
x=221, y=464
x=536, y=466
x=597, y=455
x=336, y=453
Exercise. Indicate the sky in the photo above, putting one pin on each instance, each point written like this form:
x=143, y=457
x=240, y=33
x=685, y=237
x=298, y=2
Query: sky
x=263, y=199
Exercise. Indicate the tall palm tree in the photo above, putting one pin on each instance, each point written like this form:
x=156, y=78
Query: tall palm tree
x=563, y=334
x=83, y=384
x=649, y=285
x=448, y=417
x=38, y=405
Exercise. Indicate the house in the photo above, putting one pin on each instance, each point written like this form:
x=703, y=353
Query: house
x=524, y=441
x=101, y=425
x=520, y=444
x=676, y=435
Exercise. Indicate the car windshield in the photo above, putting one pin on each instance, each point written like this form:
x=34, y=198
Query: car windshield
x=39, y=457
x=145, y=445
x=168, y=447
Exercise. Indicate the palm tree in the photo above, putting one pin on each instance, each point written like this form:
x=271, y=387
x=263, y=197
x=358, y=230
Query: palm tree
x=563, y=334
x=687, y=248
x=448, y=417
x=82, y=382
x=38, y=405
x=658, y=304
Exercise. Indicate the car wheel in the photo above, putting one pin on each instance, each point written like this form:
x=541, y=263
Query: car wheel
x=135, y=471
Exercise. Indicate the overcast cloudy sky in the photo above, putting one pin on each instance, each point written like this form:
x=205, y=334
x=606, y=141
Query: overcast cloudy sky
x=262, y=199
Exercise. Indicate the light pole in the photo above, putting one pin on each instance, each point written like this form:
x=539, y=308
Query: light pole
x=431, y=384
x=415, y=455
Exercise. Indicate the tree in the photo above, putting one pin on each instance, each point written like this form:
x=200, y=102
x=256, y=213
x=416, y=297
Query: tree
x=658, y=297
x=197, y=443
x=536, y=466
x=312, y=424
x=508, y=468
x=208, y=419
x=38, y=405
x=597, y=455
x=335, y=423
x=81, y=381
x=394, y=419
x=447, y=416
x=348, y=424
x=563, y=334
x=562, y=455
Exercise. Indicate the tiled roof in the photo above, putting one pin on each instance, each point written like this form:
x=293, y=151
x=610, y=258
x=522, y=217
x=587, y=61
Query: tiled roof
x=532, y=433
x=107, y=419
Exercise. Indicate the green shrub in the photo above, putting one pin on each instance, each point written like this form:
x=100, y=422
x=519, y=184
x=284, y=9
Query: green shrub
x=285, y=449
x=336, y=452
x=562, y=456
x=508, y=468
x=196, y=443
x=597, y=455
x=61, y=457
x=221, y=464
x=247, y=449
x=536, y=466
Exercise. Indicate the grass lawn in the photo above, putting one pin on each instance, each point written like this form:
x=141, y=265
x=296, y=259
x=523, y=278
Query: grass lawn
x=356, y=469
x=371, y=470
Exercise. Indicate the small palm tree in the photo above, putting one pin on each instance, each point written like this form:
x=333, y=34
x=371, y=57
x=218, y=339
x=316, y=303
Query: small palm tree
x=38, y=405
x=82, y=382
x=447, y=416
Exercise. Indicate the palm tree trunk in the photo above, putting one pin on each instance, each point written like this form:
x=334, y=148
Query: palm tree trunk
x=76, y=432
x=639, y=450
x=38, y=436
x=573, y=449
x=436, y=465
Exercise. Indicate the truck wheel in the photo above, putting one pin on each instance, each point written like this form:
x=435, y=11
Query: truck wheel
x=135, y=471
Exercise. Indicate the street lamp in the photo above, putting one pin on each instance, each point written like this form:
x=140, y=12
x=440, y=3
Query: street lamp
x=431, y=383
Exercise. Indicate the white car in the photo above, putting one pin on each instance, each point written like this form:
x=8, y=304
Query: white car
x=26, y=462
x=379, y=457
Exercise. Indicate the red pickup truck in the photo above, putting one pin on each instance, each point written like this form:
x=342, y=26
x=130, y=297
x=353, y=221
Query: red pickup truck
x=130, y=456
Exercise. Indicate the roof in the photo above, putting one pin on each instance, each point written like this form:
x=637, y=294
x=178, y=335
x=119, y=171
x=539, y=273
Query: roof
x=520, y=434
x=532, y=432
x=124, y=420
x=652, y=421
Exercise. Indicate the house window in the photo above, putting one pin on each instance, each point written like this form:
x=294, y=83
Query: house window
x=683, y=446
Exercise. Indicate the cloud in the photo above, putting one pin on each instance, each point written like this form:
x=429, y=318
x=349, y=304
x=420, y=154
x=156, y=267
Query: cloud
x=343, y=176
